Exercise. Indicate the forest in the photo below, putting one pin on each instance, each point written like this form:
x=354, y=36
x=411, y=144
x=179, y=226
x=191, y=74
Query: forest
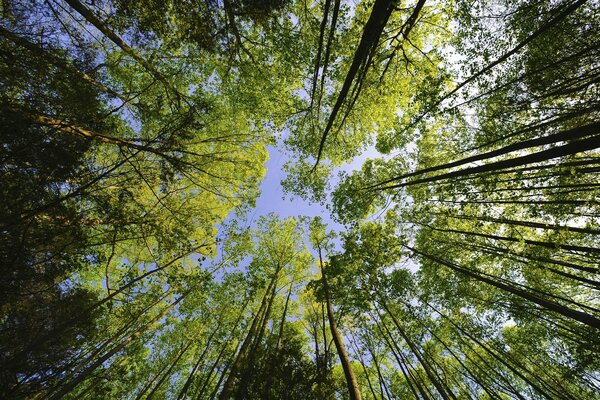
x=449, y=151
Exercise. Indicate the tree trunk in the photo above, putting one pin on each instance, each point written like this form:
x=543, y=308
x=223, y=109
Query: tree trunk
x=164, y=376
x=571, y=134
x=570, y=148
x=353, y=389
x=582, y=317
x=240, y=359
x=100, y=360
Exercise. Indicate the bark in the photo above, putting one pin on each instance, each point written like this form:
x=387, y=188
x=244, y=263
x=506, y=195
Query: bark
x=495, y=355
x=380, y=13
x=496, y=251
x=334, y=17
x=580, y=316
x=404, y=32
x=192, y=374
x=575, y=147
x=69, y=386
x=353, y=389
x=469, y=373
x=76, y=130
x=571, y=134
x=223, y=348
x=549, y=245
x=382, y=385
x=240, y=359
x=319, y=50
x=267, y=392
x=402, y=363
x=364, y=367
x=62, y=327
x=248, y=368
x=530, y=224
x=432, y=377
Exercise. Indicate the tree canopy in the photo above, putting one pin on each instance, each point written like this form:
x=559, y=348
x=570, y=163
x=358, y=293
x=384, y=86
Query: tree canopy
x=455, y=143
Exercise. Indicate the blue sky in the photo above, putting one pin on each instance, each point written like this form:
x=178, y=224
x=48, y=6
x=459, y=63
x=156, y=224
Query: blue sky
x=271, y=198
x=272, y=195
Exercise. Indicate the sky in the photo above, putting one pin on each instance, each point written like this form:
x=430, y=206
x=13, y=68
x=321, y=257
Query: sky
x=272, y=194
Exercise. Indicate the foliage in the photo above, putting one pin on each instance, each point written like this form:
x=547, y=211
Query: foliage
x=134, y=138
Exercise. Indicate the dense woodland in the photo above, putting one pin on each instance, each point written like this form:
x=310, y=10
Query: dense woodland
x=134, y=138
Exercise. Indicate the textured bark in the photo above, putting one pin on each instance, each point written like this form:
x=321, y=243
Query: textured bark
x=380, y=13
x=571, y=134
x=69, y=386
x=338, y=340
x=580, y=316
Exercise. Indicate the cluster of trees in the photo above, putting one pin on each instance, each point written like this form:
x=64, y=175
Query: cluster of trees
x=469, y=265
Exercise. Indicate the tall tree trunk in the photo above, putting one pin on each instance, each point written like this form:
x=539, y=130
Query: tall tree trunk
x=431, y=374
x=571, y=134
x=580, y=316
x=530, y=224
x=380, y=13
x=275, y=357
x=69, y=386
x=397, y=352
x=353, y=389
x=579, y=146
x=164, y=376
x=240, y=359
x=248, y=368
x=116, y=39
x=549, y=245
x=535, y=34
x=494, y=355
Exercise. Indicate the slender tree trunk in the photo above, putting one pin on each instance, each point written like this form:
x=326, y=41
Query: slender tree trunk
x=530, y=224
x=580, y=316
x=402, y=363
x=222, y=351
x=240, y=359
x=509, y=255
x=102, y=27
x=353, y=389
x=380, y=13
x=68, y=387
x=267, y=391
x=192, y=374
x=164, y=376
x=364, y=367
x=549, y=245
x=495, y=356
x=319, y=51
x=248, y=367
x=535, y=34
x=382, y=384
x=571, y=134
x=579, y=146
x=426, y=367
